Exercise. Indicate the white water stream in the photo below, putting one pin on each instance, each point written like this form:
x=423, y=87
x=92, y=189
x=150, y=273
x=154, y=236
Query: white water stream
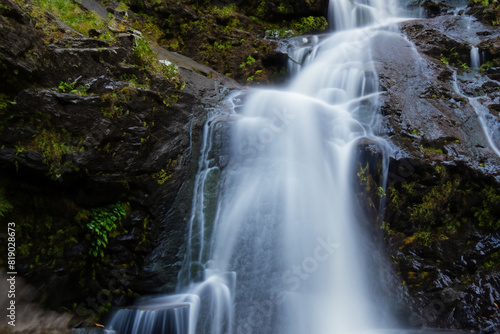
x=276, y=243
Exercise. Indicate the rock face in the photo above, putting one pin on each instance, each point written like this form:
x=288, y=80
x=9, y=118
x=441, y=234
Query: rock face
x=443, y=196
x=92, y=144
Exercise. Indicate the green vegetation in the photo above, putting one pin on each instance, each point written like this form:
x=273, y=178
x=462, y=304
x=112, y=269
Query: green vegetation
x=364, y=176
x=436, y=204
x=72, y=87
x=165, y=174
x=485, y=213
x=310, y=24
x=490, y=13
x=490, y=63
x=493, y=261
x=103, y=221
x=423, y=238
x=250, y=60
x=5, y=205
x=5, y=101
x=133, y=81
x=53, y=146
x=69, y=12
x=148, y=59
x=456, y=58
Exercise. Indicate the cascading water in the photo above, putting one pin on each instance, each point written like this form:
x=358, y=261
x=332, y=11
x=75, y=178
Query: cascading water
x=475, y=60
x=275, y=241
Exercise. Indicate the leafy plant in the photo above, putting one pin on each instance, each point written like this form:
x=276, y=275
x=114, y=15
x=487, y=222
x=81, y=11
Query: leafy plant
x=71, y=87
x=103, y=221
x=445, y=60
x=250, y=60
x=223, y=46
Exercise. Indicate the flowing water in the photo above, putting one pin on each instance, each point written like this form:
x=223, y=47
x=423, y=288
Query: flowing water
x=475, y=60
x=276, y=240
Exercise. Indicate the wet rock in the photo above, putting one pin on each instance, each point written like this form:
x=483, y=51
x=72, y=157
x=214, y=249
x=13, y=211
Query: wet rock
x=125, y=137
x=442, y=167
x=435, y=7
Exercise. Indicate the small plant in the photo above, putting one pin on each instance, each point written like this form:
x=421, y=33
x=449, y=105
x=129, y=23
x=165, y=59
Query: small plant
x=71, y=87
x=132, y=79
x=445, y=60
x=103, y=221
x=364, y=176
x=165, y=174
x=250, y=60
x=223, y=46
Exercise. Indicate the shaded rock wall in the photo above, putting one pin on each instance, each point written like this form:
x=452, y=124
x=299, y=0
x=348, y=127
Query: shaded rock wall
x=89, y=140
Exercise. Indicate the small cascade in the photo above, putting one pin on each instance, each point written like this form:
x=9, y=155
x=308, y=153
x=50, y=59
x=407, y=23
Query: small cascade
x=167, y=315
x=489, y=122
x=475, y=59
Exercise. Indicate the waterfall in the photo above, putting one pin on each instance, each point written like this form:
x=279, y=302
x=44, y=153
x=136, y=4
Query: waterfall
x=489, y=121
x=475, y=61
x=277, y=240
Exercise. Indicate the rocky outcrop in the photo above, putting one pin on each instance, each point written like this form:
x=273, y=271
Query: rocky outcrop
x=441, y=218
x=229, y=36
x=96, y=150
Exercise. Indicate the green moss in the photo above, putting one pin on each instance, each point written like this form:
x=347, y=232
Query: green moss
x=487, y=214
x=423, y=238
x=148, y=59
x=441, y=202
x=261, y=11
x=68, y=12
x=490, y=12
x=492, y=262
x=166, y=173
x=53, y=146
x=311, y=24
